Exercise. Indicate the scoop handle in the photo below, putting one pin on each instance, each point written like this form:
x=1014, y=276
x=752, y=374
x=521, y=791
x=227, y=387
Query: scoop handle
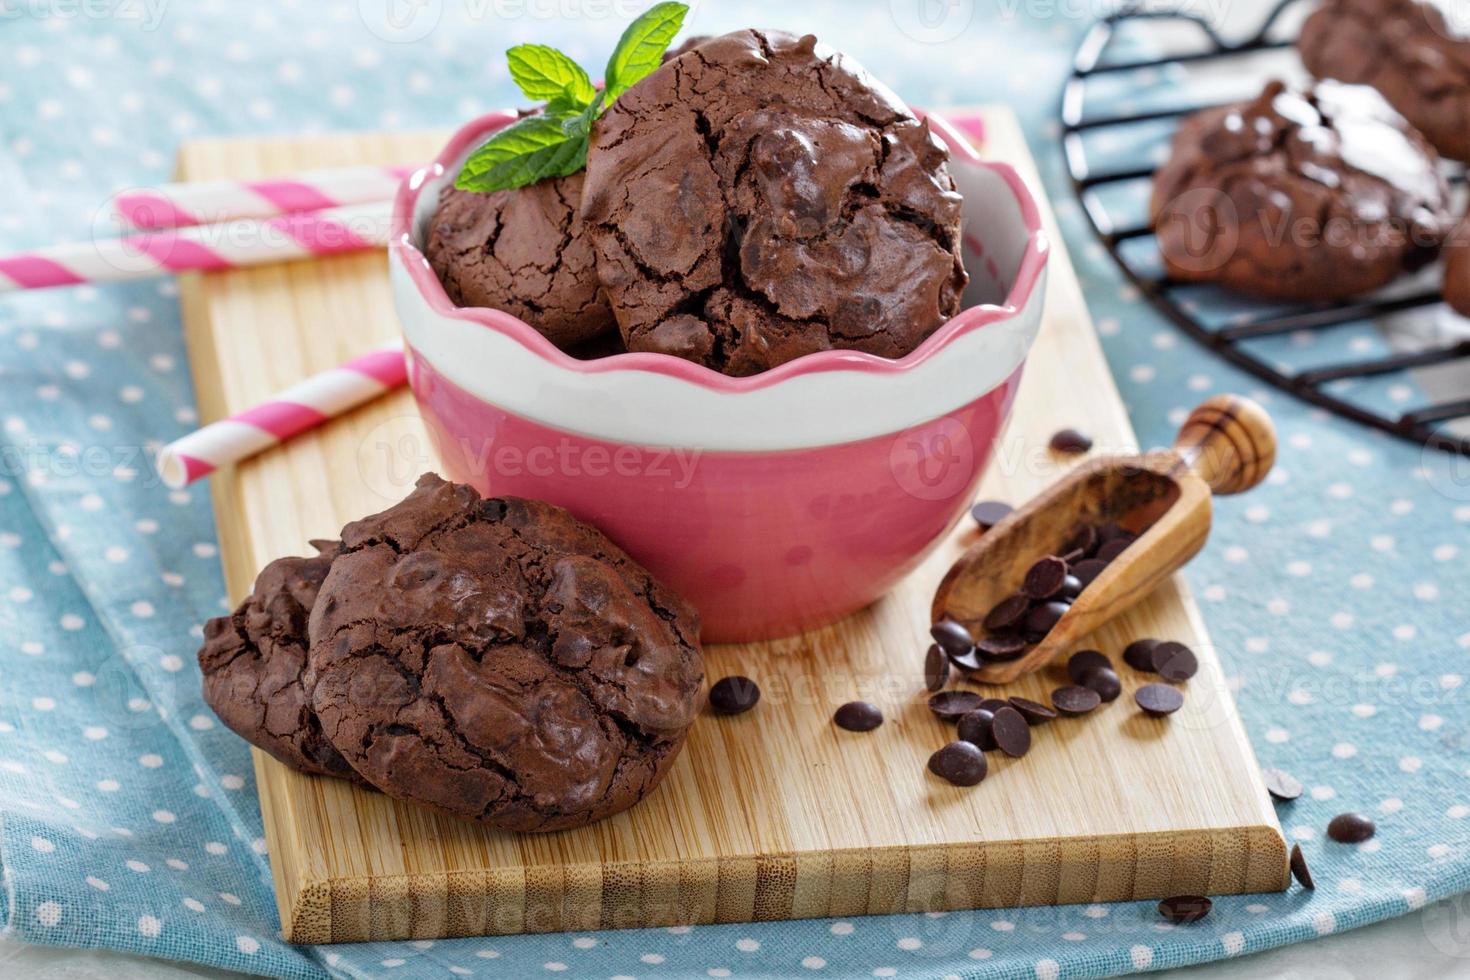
x=1229, y=442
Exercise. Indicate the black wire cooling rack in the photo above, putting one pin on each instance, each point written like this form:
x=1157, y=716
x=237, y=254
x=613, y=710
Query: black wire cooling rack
x=1429, y=424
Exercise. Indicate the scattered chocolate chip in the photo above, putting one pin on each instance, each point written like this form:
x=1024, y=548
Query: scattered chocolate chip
x=1351, y=828
x=1159, y=699
x=1070, y=442
x=1034, y=712
x=1084, y=662
x=1110, y=550
x=1140, y=654
x=1075, y=700
x=1011, y=732
x=1185, y=908
x=988, y=513
x=1282, y=785
x=1299, y=869
x=1175, y=662
x=1044, y=579
x=967, y=663
x=960, y=763
x=1108, y=530
x=1043, y=616
x=994, y=704
x=858, y=716
x=950, y=705
x=1000, y=648
x=1104, y=680
x=977, y=728
x=733, y=695
x=936, y=668
x=1007, y=613
x=1088, y=570
x=1071, y=587
x=952, y=637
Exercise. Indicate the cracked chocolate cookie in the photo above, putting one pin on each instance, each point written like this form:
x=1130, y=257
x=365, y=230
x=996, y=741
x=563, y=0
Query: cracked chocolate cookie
x=1411, y=51
x=253, y=661
x=1457, y=268
x=760, y=197
x=1310, y=194
x=523, y=252
x=500, y=661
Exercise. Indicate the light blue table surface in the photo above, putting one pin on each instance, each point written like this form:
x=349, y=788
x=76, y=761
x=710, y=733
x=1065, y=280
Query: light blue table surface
x=1336, y=593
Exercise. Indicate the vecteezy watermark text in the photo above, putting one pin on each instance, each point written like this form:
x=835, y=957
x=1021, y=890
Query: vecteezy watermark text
x=147, y=14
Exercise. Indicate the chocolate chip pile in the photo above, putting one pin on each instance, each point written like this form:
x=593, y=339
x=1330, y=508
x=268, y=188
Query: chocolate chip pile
x=1048, y=590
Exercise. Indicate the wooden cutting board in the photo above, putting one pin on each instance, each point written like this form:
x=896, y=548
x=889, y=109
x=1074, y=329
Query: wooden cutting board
x=775, y=814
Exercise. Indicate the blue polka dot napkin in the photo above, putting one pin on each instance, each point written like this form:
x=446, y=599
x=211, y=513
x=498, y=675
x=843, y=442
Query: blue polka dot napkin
x=128, y=816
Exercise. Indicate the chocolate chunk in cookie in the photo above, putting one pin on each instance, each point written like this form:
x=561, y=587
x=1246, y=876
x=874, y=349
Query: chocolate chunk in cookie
x=1457, y=268
x=253, y=661
x=1310, y=194
x=760, y=197
x=500, y=661
x=1412, y=52
x=523, y=252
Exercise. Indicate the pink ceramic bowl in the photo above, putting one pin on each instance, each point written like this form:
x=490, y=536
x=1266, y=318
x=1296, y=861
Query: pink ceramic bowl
x=776, y=503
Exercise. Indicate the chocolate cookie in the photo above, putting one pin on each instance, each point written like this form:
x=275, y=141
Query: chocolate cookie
x=253, y=661
x=523, y=252
x=1457, y=268
x=1406, y=49
x=760, y=197
x=500, y=661
x=1310, y=194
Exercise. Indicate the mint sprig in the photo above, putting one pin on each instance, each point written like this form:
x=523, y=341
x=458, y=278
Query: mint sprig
x=554, y=142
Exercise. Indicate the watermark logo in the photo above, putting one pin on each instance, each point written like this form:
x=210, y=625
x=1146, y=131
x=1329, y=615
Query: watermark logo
x=1447, y=926
x=147, y=14
x=934, y=461
x=932, y=21
x=1200, y=230
x=400, y=21
x=1445, y=469
x=1448, y=18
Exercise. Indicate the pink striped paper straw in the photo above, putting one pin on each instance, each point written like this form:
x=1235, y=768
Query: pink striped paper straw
x=302, y=406
x=229, y=245
x=212, y=201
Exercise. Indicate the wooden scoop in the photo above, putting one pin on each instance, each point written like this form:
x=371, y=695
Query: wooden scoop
x=1226, y=446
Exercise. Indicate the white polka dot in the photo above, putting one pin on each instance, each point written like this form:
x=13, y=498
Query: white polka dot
x=1002, y=925
x=54, y=756
x=237, y=782
x=652, y=959
x=193, y=905
x=150, y=760
x=43, y=704
x=71, y=622
x=910, y=943
x=176, y=864
x=1370, y=846
x=1096, y=911
x=201, y=723
x=1047, y=970
x=1381, y=542
x=1277, y=735
x=1233, y=943
x=1363, y=710
x=1323, y=792
x=391, y=963
x=138, y=866
x=747, y=945
x=1074, y=937
x=42, y=845
x=171, y=663
x=216, y=848
x=48, y=914
x=1302, y=833
x=1391, y=805
x=164, y=816
x=1324, y=923
x=142, y=609
x=247, y=945
x=149, y=926
x=229, y=899
x=813, y=962
x=1344, y=750
x=1431, y=723
x=1411, y=763
x=1437, y=851
x=1257, y=909
x=1142, y=956
x=1342, y=620
x=97, y=883
x=841, y=928
x=94, y=733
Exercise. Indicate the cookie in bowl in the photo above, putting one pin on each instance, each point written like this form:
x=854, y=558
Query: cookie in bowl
x=760, y=198
x=499, y=661
x=1313, y=193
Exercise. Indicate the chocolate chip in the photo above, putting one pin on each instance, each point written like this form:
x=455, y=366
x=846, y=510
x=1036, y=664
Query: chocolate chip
x=1185, y=908
x=977, y=728
x=1108, y=530
x=733, y=695
x=1175, y=662
x=1071, y=587
x=967, y=663
x=950, y=705
x=1105, y=682
x=1084, y=539
x=1044, y=579
x=1070, y=442
x=994, y=704
x=1159, y=699
x=1007, y=613
x=1110, y=550
x=1351, y=828
x=1034, y=712
x=1140, y=654
x=1282, y=785
x=1087, y=570
x=1084, y=662
x=936, y=668
x=1075, y=700
x=1299, y=869
x=1011, y=732
x=960, y=763
x=1043, y=616
x=988, y=513
x=996, y=649
x=952, y=637
x=858, y=716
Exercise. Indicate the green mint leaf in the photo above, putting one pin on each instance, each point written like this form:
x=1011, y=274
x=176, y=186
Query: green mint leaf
x=641, y=48
x=535, y=148
x=545, y=73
